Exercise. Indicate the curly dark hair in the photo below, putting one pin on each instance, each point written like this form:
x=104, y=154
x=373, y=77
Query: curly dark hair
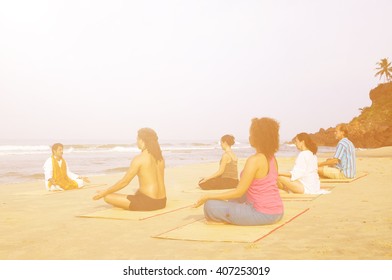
x=264, y=136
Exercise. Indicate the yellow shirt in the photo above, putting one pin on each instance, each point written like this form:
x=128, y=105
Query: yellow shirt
x=61, y=177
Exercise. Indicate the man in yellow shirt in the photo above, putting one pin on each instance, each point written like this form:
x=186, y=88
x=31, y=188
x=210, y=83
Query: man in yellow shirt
x=57, y=175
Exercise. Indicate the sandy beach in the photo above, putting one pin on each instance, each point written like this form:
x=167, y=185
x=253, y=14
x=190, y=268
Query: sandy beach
x=354, y=221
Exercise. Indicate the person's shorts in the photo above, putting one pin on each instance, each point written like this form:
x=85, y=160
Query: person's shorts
x=142, y=202
x=333, y=173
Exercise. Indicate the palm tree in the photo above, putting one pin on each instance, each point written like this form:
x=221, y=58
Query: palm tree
x=384, y=69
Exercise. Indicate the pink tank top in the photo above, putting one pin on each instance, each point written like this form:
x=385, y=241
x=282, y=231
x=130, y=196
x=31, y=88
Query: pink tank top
x=264, y=193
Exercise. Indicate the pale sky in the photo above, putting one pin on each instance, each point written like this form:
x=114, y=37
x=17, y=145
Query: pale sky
x=188, y=69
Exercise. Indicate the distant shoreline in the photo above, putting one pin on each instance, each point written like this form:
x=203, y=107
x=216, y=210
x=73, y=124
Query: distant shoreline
x=385, y=152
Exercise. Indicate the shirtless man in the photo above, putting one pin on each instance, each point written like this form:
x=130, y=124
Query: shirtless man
x=149, y=166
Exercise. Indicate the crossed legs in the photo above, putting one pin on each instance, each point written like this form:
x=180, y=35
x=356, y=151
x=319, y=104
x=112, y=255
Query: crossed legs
x=118, y=200
x=286, y=184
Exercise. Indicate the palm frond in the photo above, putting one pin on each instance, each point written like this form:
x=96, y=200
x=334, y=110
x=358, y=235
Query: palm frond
x=384, y=69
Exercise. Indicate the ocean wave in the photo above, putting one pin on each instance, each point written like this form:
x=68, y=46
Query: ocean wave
x=14, y=149
x=200, y=144
x=122, y=148
x=17, y=175
x=111, y=146
x=37, y=176
x=186, y=149
x=186, y=144
x=116, y=170
x=77, y=146
x=106, y=158
x=12, y=174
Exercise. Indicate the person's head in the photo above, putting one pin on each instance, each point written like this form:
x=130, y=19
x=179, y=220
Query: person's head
x=227, y=140
x=264, y=136
x=57, y=150
x=304, y=142
x=341, y=131
x=147, y=139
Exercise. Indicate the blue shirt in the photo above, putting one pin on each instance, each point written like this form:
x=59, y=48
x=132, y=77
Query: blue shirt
x=345, y=152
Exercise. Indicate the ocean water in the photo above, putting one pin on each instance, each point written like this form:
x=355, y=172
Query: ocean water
x=21, y=162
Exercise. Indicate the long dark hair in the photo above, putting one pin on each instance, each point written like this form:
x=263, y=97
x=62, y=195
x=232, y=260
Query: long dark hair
x=150, y=139
x=265, y=136
x=308, y=142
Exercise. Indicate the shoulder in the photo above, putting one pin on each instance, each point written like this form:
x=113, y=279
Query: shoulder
x=138, y=160
x=341, y=144
x=346, y=143
x=302, y=153
x=226, y=157
x=48, y=161
x=306, y=154
x=233, y=156
x=257, y=159
x=349, y=142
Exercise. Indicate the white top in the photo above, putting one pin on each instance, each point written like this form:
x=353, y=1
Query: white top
x=48, y=170
x=305, y=171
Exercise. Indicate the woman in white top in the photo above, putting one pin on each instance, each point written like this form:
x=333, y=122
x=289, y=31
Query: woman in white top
x=304, y=177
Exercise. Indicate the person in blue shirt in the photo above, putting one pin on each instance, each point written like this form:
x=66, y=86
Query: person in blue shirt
x=342, y=165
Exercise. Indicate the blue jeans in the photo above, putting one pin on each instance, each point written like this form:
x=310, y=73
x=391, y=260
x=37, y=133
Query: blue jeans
x=237, y=212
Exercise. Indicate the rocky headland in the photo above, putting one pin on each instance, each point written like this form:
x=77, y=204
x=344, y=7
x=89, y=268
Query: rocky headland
x=372, y=128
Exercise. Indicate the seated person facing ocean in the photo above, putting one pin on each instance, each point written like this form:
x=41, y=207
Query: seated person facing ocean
x=256, y=199
x=227, y=175
x=149, y=167
x=57, y=175
x=342, y=165
x=303, y=178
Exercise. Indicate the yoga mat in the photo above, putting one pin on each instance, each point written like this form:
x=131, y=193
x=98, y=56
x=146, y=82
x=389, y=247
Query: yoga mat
x=305, y=197
x=121, y=214
x=328, y=188
x=201, y=231
x=45, y=192
x=359, y=176
x=283, y=195
x=298, y=197
x=199, y=190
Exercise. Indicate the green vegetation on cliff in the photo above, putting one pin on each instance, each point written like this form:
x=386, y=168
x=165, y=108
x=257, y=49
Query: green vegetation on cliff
x=372, y=128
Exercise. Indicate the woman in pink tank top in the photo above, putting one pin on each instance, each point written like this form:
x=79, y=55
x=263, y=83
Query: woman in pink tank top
x=256, y=200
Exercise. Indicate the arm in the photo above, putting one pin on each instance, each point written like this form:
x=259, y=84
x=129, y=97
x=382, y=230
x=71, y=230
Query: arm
x=300, y=166
x=48, y=171
x=129, y=175
x=74, y=176
x=224, y=161
x=248, y=174
x=329, y=162
x=336, y=158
